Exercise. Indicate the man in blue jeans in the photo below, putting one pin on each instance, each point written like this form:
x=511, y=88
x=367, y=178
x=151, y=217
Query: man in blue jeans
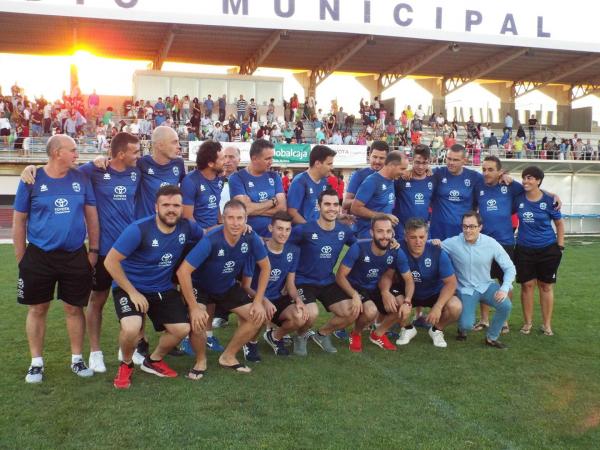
x=472, y=255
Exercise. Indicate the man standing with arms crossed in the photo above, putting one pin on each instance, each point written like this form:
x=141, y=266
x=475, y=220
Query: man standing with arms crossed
x=53, y=215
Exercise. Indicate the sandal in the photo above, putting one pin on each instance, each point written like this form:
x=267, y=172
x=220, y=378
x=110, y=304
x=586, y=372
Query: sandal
x=505, y=329
x=546, y=331
x=526, y=328
x=195, y=374
x=239, y=368
x=481, y=326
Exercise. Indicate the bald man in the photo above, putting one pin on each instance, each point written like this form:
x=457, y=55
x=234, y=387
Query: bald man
x=54, y=214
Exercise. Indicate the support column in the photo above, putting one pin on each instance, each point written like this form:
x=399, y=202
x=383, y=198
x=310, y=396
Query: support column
x=371, y=84
x=562, y=95
x=304, y=79
x=435, y=86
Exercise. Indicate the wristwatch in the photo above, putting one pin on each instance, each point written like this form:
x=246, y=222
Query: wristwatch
x=93, y=250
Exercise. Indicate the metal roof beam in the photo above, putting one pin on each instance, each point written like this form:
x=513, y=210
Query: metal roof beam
x=249, y=66
x=552, y=74
x=414, y=62
x=479, y=70
x=334, y=61
x=581, y=90
x=165, y=47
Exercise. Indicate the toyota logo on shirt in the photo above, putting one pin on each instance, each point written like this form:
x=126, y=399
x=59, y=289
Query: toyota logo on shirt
x=120, y=190
x=419, y=196
x=326, y=252
x=61, y=202
x=228, y=267
x=166, y=260
x=528, y=217
x=491, y=202
x=275, y=274
x=454, y=195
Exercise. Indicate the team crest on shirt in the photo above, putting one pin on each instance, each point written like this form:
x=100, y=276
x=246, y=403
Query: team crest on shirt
x=389, y=260
x=154, y=242
x=314, y=236
x=341, y=235
x=250, y=184
x=221, y=252
x=202, y=188
x=367, y=259
x=43, y=188
x=106, y=176
x=290, y=257
x=543, y=205
x=416, y=276
x=150, y=171
x=244, y=248
x=133, y=176
x=467, y=182
x=427, y=262
x=504, y=189
x=176, y=171
x=76, y=187
x=444, y=180
x=182, y=238
x=271, y=181
x=407, y=184
x=429, y=185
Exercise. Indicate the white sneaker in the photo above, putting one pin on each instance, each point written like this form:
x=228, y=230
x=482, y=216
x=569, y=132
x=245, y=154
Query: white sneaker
x=137, y=358
x=81, y=370
x=219, y=322
x=438, y=338
x=406, y=335
x=35, y=374
x=96, y=362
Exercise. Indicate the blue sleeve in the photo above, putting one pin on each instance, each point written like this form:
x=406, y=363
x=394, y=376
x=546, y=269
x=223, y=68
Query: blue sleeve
x=296, y=235
x=401, y=262
x=350, y=237
x=445, y=265
x=23, y=197
x=295, y=194
x=90, y=197
x=278, y=184
x=294, y=266
x=236, y=185
x=249, y=267
x=259, y=252
x=516, y=188
x=196, y=231
x=87, y=169
x=129, y=240
x=554, y=214
x=181, y=165
x=188, y=191
x=351, y=256
x=365, y=191
x=199, y=253
x=354, y=183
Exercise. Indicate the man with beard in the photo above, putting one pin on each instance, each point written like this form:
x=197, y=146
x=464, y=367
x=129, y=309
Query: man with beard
x=358, y=276
x=321, y=242
x=141, y=263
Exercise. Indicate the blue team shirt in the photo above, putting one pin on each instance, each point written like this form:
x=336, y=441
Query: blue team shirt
x=282, y=264
x=303, y=195
x=428, y=270
x=259, y=189
x=153, y=177
x=495, y=204
x=218, y=264
x=204, y=195
x=535, y=221
x=151, y=255
x=367, y=267
x=377, y=194
x=56, y=210
x=413, y=199
x=454, y=195
x=357, y=178
x=319, y=251
x=115, y=198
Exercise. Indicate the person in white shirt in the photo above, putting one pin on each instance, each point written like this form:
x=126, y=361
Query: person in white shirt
x=419, y=113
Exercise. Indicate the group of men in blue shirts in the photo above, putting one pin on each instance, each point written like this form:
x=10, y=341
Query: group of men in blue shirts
x=265, y=257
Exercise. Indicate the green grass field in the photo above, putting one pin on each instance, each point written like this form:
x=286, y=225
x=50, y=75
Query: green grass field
x=544, y=392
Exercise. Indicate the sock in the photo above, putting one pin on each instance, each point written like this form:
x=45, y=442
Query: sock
x=128, y=364
x=209, y=333
x=252, y=342
x=38, y=361
x=408, y=327
x=76, y=358
x=435, y=329
x=99, y=352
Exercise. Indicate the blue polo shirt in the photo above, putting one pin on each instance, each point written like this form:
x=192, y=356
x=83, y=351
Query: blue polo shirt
x=282, y=264
x=428, y=270
x=154, y=176
x=495, y=204
x=535, y=221
x=377, y=194
x=303, y=195
x=204, y=195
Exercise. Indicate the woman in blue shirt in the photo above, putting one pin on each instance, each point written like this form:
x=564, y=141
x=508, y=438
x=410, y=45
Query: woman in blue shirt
x=539, y=248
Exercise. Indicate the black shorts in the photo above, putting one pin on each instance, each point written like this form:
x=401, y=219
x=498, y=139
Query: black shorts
x=327, y=294
x=40, y=271
x=496, y=271
x=101, y=279
x=425, y=302
x=375, y=296
x=281, y=304
x=4, y=131
x=537, y=263
x=231, y=299
x=163, y=307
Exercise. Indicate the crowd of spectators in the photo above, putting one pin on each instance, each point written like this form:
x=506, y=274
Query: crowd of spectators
x=207, y=118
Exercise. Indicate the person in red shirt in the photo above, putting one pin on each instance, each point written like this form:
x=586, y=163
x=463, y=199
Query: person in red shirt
x=286, y=180
x=340, y=187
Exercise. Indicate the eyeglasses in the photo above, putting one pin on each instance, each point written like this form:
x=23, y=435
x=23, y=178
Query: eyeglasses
x=470, y=227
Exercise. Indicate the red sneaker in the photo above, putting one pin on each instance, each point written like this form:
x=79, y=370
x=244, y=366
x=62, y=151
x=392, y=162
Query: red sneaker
x=355, y=342
x=123, y=378
x=158, y=368
x=381, y=341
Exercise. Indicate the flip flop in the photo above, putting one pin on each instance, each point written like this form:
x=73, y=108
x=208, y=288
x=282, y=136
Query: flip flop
x=239, y=368
x=480, y=326
x=505, y=329
x=195, y=374
x=546, y=331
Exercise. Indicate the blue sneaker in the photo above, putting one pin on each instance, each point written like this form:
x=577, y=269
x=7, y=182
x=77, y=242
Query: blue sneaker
x=421, y=323
x=277, y=346
x=341, y=334
x=212, y=343
x=186, y=347
x=251, y=352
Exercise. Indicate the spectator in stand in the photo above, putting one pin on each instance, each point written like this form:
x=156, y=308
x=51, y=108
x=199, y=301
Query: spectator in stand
x=252, y=111
x=298, y=131
x=340, y=187
x=439, y=120
x=22, y=131
x=521, y=132
x=518, y=145
x=419, y=113
x=532, y=125
x=93, y=100
x=404, y=119
x=340, y=117
x=176, y=109
x=271, y=111
x=241, y=106
x=312, y=104
x=208, y=106
x=336, y=138
x=4, y=129
x=588, y=151
x=306, y=115
x=450, y=140
x=185, y=109
x=577, y=149
x=196, y=107
x=294, y=105
x=71, y=126
x=486, y=132
x=160, y=112
x=508, y=124
x=530, y=149
x=286, y=180
x=37, y=118
x=222, y=107
x=471, y=128
x=433, y=120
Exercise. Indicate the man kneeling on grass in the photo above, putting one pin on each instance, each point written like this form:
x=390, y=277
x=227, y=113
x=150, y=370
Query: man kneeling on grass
x=358, y=276
x=141, y=263
x=288, y=311
x=214, y=264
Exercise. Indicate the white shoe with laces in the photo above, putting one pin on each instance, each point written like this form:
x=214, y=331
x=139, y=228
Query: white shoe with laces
x=438, y=338
x=96, y=362
x=137, y=358
x=35, y=374
x=406, y=335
